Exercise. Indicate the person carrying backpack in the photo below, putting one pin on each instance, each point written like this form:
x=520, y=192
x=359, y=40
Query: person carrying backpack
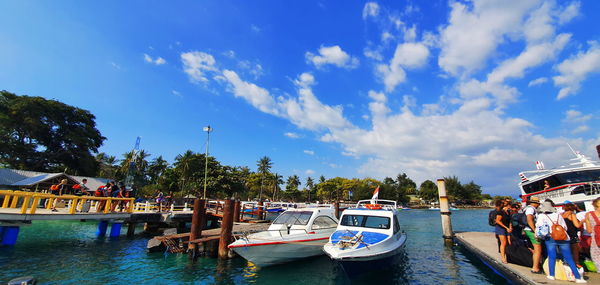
x=592, y=222
x=503, y=228
x=555, y=237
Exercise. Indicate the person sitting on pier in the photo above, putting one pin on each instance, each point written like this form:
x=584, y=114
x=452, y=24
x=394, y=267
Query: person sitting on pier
x=81, y=188
x=551, y=227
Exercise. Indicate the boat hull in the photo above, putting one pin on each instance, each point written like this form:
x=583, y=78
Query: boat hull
x=276, y=252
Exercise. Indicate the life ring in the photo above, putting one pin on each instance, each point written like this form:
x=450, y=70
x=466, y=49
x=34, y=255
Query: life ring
x=373, y=206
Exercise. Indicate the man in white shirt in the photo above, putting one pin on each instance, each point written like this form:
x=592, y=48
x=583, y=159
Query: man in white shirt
x=530, y=212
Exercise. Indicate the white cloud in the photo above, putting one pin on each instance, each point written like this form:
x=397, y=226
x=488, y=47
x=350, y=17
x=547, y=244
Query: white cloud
x=574, y=70
x=574, y=116
x=371, y=9
x=255, y=28
x=580, y=129
x=406, y=56
x=309, y=172
x=229, y=54
x=537, y=81
x=474, y=33
x=309, y=152
x=196, y=63
x=332, y=55
x=569, y=12
x=115, y=65
x=253, y=94
x=176, y=93
x=158, y=61
x=333, y=165
x=292, y=135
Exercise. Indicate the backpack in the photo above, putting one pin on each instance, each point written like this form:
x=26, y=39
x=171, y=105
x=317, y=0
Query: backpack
x=76, y=186
x=492, y=218
x=558, y=232
x=520, y=219
x=54, y=187
x=596, y=229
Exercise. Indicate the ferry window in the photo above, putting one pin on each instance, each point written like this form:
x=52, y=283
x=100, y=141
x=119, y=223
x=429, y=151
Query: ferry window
x=323, y=222
x=352, y=220
x=293, y=218
x=377, y=222
x=579, y=176
x=373, y=222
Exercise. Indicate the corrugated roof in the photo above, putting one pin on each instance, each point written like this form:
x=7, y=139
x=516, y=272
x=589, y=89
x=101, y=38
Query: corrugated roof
x=37, y=179
x=15, y=177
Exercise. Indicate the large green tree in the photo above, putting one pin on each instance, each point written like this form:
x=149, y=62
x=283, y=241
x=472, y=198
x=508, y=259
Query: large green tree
x=428, y=191
x=47, y=135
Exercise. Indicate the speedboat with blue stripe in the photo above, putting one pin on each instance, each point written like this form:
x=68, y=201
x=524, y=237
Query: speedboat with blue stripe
x=367, y=236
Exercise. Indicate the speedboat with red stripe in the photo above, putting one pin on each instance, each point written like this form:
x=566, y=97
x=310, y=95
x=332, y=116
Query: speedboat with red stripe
x=578, y=183
x=294, y=234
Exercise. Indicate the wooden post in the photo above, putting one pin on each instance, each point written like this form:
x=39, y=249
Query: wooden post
x=130, y=229
x=445, y=211
x=336, y=205
x=226, y=228
x=260, y=210
x=198, y=220
x=237, y=211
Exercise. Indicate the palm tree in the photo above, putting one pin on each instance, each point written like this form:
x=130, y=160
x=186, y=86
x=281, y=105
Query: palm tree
x=276, y=181
x=310, y=184
x=264, y=167
x=156, y=168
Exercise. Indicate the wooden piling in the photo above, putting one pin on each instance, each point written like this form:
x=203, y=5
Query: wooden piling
x=226, y=228
x=130, y=229
x=237, y=211
x=198, y=222
x=336, y=205
x=260, y=210
x=445, y=211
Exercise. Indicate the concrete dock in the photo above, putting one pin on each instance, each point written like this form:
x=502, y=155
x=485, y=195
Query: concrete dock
x=484, y=246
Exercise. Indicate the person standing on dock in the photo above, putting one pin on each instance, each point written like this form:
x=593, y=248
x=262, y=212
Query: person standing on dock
x=592, y=222
x=503, y=227
x=556, y=237
x=530, y=212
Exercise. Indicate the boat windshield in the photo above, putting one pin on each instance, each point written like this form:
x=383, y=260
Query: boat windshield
x=374, y=222
x=293, y=218
x=563, y=179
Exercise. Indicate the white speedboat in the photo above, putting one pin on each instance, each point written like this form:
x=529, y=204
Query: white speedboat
x=578, y=183
x=295, y=234
x=368, y=236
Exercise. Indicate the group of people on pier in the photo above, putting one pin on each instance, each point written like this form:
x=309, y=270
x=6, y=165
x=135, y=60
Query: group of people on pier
x=541, y=229
x=111, y=189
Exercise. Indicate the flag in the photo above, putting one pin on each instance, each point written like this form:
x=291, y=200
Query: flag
x=375, y=193
x=523, y=177
x=539, y=165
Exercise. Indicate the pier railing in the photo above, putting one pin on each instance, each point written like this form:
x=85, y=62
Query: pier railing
x=30, y=201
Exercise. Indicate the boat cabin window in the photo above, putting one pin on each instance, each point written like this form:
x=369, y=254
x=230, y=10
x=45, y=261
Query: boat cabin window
x=373, y=222
x=396, y=224
x=562, y=179
x=293, y=218
x=323, y=222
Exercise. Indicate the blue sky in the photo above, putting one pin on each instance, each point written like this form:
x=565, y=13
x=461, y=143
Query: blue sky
x=477, y=89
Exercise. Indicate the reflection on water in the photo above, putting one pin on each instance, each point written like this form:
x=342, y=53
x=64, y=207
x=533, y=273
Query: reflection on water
x=61, y=252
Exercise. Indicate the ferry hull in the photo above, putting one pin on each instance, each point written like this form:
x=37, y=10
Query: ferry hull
x=267, y=254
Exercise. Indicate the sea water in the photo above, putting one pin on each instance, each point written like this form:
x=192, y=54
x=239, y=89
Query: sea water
x=68, y=252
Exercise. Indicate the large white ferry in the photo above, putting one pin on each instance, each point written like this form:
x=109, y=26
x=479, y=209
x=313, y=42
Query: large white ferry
x=579, y=182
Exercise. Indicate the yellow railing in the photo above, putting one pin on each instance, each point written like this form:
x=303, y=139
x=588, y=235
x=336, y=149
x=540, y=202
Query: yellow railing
x=11, y=199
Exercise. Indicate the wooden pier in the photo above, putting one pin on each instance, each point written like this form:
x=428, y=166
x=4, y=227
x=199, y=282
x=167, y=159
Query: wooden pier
x=484, y=246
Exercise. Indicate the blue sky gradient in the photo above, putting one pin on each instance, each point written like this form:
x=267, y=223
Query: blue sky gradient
x=477, y=89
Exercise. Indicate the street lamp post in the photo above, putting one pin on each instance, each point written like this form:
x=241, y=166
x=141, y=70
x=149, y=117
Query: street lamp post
x=207, y=129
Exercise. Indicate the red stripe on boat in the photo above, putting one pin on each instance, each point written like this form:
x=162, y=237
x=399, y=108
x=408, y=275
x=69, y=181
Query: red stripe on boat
x=275, y=242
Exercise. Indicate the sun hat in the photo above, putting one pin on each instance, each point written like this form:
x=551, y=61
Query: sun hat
x=534, y=200
x=547, y=207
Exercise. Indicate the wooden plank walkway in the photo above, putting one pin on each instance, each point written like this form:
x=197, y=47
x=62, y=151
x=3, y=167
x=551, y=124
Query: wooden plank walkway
x=484, y=246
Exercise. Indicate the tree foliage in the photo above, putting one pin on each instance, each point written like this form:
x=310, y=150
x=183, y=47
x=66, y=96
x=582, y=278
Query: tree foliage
x=47, y=135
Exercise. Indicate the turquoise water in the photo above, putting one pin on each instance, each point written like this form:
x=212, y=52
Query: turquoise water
x=62, y=252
